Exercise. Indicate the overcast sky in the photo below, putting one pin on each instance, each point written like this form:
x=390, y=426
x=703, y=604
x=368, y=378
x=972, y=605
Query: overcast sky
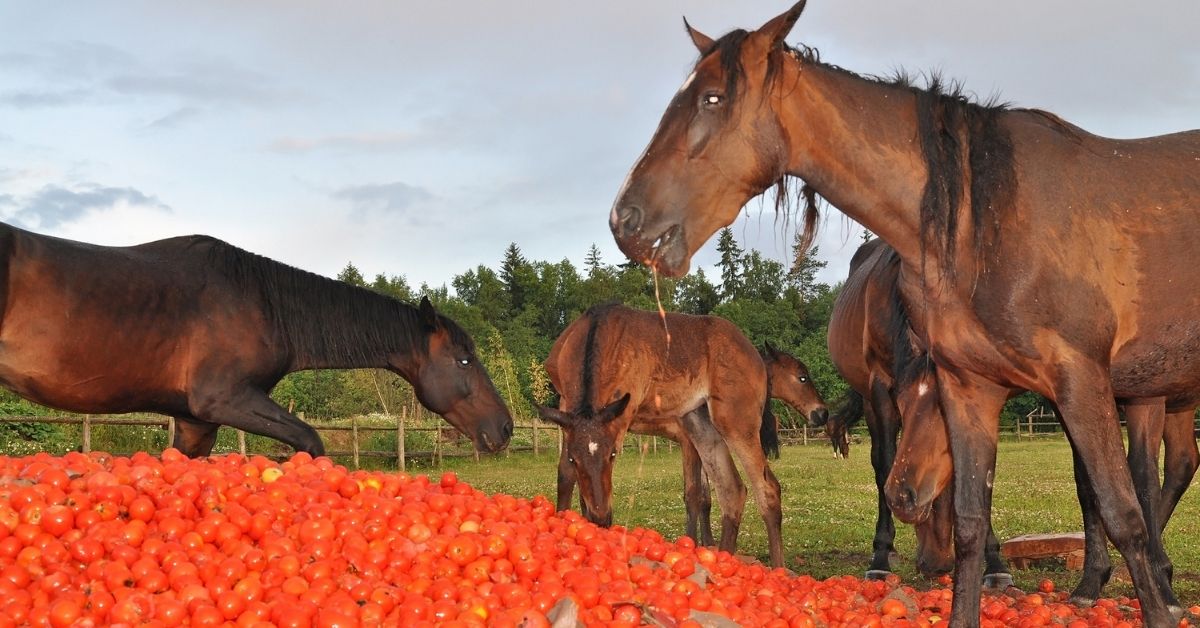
x=421, y=138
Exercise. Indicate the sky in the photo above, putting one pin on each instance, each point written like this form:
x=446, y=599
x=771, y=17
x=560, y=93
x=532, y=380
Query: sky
x=422, y=138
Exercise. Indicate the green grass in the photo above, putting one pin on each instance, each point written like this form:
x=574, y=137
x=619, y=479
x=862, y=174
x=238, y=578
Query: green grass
x=829, y=507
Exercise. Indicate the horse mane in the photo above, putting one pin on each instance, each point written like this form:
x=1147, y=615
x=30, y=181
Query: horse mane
x=322, y=318
x=585, y=408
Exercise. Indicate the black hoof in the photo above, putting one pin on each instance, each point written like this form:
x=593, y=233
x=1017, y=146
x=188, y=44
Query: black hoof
x=877, y=574
x=1082, y=601
x=997, y=581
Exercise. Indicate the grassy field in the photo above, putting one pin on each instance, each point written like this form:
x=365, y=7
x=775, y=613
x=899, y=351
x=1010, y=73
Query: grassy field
x=829, y=507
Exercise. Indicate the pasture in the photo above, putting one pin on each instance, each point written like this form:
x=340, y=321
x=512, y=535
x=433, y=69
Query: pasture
x=829, y=507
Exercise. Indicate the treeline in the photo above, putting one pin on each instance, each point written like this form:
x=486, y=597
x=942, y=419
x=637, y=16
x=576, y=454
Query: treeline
x=516, y=310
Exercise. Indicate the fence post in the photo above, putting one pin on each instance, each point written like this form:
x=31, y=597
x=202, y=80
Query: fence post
x=354, y=439
x=87, y=433
x=170, y=431
x=400, y=438
x=535, y=443
x=241, y=442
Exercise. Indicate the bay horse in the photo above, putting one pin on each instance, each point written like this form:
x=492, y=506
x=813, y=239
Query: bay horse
x=788, y=380
x=615, y=364
x=1034, y=255
x=872, y=345
x=200, y=330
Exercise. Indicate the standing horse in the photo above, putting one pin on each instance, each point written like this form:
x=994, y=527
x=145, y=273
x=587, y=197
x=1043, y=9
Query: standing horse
x=1034, y=255
x=614, y=363
x=787, y=380
x=872, y=346
x=200, y=330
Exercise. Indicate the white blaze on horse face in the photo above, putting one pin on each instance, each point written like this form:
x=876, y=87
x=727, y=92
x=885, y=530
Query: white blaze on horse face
x=592, y=447
x=922, y=389
x=687, y=82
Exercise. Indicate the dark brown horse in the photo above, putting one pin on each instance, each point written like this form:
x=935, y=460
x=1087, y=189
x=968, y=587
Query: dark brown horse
x=872, y=345
x=614, y=363
x=788, y=380
x=1034, y=255
x=200, y=330
x=924, y=469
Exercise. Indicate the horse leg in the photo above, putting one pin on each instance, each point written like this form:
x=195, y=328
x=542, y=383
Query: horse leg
x=883, y=424
x=1090, y=416
x=1145, y=423
x=717, y=463
x=697, y=496
x=253, y=411
x=971, y=406
x=995, y=571
x=742, y=437
x=194, y=438
x=1097, y=566
x=1180, y=460
x=566, y=481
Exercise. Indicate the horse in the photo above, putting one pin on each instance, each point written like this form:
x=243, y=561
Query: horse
x=200, y=330
x=614, y=364
x=871, y=345
x=1034, y=255
x=788, y=380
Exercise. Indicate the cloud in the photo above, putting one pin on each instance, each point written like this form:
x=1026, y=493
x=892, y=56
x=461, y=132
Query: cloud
x=350, y=141
x=386, y=197
x=55, y=205
x=174, y=119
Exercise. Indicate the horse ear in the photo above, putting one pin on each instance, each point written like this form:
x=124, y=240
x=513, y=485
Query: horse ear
x=779, y=26
x=428, y=314
x=770, y=349
x=703, y=42
x=554, y=415
x=614, y=409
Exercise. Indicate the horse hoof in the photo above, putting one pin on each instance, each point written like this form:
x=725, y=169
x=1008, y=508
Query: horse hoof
x=877, y=574
x=997, y=581
x=1081, y=601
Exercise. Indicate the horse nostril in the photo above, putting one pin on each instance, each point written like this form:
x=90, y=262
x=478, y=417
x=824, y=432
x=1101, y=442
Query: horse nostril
x=629, y=220
x=818, y=417
x=507, y=430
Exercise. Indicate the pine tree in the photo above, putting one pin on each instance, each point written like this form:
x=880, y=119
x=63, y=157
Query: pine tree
x=511, y=270
x=351, y=275
x=730, y=264
x=592, y=261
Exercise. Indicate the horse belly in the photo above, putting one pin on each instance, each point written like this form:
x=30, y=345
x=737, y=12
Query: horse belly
x=1166, y=363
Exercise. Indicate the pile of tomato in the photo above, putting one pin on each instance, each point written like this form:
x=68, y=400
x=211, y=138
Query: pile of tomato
x=92, y=539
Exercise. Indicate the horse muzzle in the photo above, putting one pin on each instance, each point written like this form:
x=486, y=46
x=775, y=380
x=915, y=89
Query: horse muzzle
x=664, y=249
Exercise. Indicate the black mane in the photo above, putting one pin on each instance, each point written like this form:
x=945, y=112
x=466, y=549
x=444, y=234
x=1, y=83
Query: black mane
x=585, y=406
x=326, y=319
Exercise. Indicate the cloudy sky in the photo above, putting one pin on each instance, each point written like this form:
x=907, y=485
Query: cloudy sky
x=421, y=138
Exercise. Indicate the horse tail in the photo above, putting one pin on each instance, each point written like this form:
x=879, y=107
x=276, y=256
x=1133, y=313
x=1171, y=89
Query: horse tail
x=849, y=411
x=768, y=432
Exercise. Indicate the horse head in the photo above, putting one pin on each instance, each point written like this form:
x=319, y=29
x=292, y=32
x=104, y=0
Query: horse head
x=923, y=468
x=791, y=383
x=449, y=379
x=719, y=144
x=592, y=440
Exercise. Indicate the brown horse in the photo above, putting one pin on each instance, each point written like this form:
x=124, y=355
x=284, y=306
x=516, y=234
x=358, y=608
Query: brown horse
x=788, y=380
x=614, y=363
x=200, y=330
x=1034, y=255
x=872, y=346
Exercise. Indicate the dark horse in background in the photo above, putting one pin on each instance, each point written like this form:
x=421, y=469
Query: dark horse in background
x=614, y=365
x=1034, y=255
x=200, y=330
x=788, y=380
x=872, y=346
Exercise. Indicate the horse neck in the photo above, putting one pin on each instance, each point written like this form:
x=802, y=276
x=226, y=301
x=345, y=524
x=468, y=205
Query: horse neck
x=856, y=143
x=364, y=331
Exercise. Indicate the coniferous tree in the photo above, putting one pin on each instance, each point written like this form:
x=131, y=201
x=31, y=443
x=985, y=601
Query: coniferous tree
x=730, y=264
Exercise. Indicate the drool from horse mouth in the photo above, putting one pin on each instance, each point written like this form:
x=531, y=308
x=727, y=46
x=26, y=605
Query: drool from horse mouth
x=661, y=243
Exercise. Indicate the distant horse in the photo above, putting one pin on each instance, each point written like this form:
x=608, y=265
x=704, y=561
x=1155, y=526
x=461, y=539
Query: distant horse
x=787, y=380
x=1034, y=255
x=871, y=344
x=200, y=330
x=614, y=363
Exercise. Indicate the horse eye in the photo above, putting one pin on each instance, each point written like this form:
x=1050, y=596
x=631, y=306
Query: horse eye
x=571, y=459
x=613, y=455
x=712, y=99
x=803, y=379
x=464, y=361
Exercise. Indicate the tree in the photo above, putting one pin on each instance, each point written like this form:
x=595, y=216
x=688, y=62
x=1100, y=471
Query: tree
x=592, y=261
x=351, y=275
x=483, y=289
x=518, y=277
x=730, y=264
x=803, y=274
x=395, y=286
x=762, y=277
x=695, y=295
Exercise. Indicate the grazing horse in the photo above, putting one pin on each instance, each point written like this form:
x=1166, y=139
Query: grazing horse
x=872, y=345
x=1034, y=255
x=787, y=380
x=614, y=363
x=200, y=330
